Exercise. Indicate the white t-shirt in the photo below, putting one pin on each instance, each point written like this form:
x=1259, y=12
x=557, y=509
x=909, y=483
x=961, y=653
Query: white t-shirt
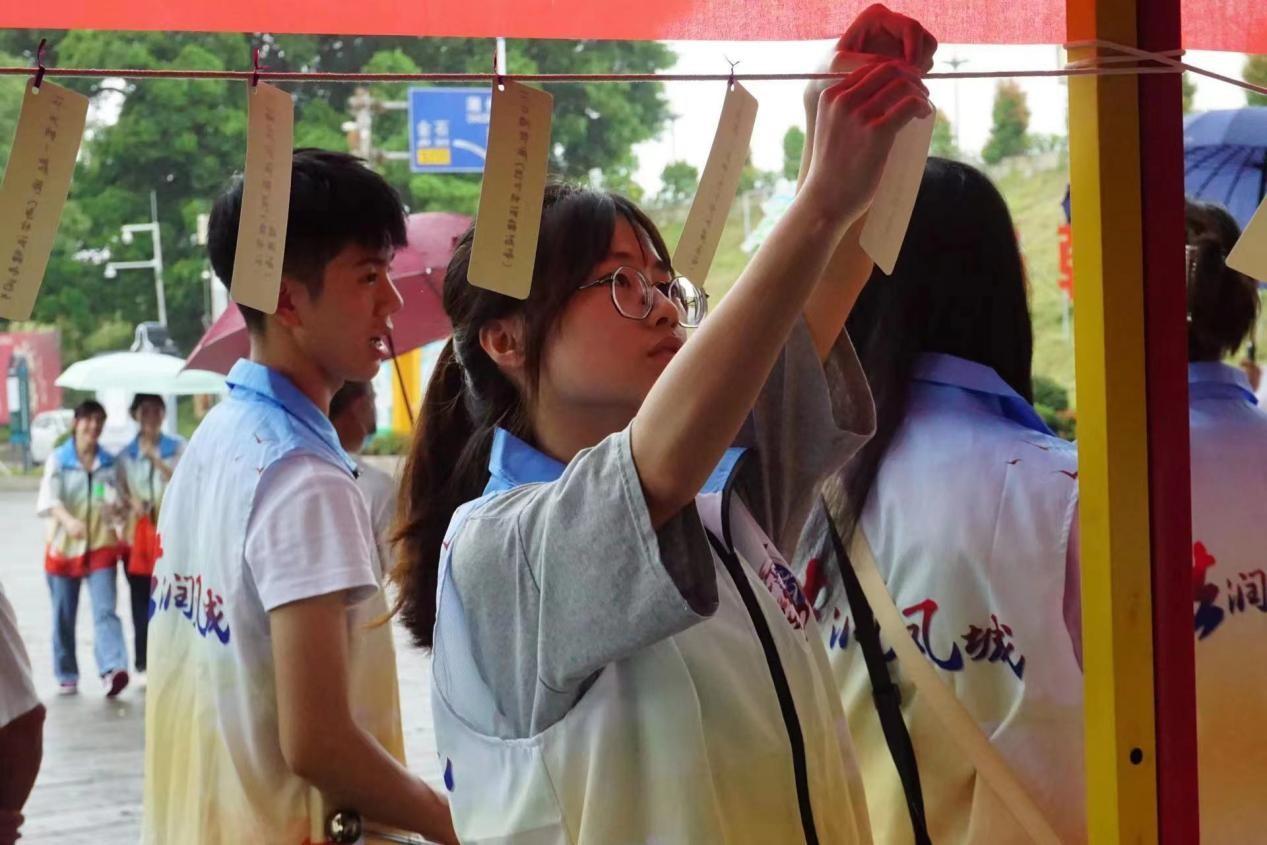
x=380, y=493
x=375, y=686
x=17, y=692
x=307, y=535
x=213, y=745
x=307, y=503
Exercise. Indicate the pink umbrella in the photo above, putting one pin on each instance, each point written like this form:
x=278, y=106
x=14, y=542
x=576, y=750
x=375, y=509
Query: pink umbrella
x=223, y=344
x=417, y=269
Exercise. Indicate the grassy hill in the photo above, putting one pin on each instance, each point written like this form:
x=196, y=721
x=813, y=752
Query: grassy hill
x=1033, y=192
x=1034, y=198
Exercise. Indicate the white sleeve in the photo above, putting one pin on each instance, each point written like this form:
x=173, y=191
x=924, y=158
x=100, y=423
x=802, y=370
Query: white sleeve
x=379, y=489
x=384, y=516
x=50, y=487
x=309, y=534
x=17, y=691
x=383, y=504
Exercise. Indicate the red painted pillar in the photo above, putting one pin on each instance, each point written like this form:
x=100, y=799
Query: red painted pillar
x=1166, y=341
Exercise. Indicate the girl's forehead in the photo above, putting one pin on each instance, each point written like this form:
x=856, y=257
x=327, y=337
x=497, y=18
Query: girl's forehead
x=632, y=243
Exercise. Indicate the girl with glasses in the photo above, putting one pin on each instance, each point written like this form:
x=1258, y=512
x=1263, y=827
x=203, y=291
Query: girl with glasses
x=620, y=652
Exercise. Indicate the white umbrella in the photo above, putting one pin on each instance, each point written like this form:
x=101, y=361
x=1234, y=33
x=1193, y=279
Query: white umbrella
x=140, y=372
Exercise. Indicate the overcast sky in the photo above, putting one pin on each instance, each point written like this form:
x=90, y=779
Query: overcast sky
x=697, y=105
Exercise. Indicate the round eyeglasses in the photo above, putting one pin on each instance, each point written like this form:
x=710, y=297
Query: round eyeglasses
x=634, y=296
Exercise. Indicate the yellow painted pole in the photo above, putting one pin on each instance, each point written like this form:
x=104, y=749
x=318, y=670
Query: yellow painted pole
x=410, y=364
x=1104, y=161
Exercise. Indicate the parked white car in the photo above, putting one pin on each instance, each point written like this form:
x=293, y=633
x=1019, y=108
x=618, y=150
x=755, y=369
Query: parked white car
x=46, y=428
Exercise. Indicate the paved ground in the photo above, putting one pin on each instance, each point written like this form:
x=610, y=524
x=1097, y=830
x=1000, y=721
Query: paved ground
x=89, y=788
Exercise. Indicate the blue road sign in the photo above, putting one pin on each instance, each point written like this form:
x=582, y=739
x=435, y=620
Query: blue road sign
x=448, y=129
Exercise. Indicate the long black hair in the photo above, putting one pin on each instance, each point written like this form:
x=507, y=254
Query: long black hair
x=959, y=289
x=469, y=396
x=1222, y=303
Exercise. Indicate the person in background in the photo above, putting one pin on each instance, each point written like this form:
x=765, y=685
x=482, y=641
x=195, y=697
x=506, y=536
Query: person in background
x=374, y=665
x=21, y=725
x=80, y=498
x=353, y=414
x=145, y=467
x=969, y=504
x=1228, y=438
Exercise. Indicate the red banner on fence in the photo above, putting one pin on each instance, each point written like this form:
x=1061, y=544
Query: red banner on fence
x=43, y=353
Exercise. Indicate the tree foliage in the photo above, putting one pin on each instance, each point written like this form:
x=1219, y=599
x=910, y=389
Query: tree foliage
x=1255, y=72
x=183, y=139
x=1009, y=134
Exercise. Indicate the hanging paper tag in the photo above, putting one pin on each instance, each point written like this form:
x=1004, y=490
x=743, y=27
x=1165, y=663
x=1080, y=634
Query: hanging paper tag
x=257, y=263
x=890, y=211
x=718, y=186
x=1249, y=256
x=889, y=214
x=36, y=184
x=509, y=220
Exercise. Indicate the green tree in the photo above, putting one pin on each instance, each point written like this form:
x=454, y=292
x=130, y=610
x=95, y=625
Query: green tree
x=1011, y=123
x=179, y=138
x=619, y=178
x=678, y=182
x=943, y=143
x=753, y=178
x=1255, y=72
x=1051, y=400
x=1189, y=92
x=793, y=149
x=11, y=93
x=184, y=138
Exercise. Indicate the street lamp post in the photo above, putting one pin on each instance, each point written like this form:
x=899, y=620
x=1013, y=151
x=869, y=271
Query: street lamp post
x=955, y=63
x=155, y=263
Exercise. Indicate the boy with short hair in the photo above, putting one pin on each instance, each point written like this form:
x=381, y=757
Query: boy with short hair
x=265, y=545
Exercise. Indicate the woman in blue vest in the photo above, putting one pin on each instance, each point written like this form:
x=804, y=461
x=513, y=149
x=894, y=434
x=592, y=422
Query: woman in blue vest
x=968, y=504
x=145, y=467
x=80, y=498
x=1229, y=507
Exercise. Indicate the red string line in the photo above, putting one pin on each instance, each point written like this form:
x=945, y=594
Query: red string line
x=316, y=76
x=1100, y=66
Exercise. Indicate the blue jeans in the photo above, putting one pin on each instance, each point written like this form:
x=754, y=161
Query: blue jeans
x=108, y=647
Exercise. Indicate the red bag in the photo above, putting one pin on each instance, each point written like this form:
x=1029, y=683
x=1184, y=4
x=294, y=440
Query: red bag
x=145, y=548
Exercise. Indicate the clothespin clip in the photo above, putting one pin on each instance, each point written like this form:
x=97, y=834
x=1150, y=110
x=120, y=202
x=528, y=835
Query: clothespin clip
x=730, y=83
x=257, y=67
x=498, y=78
x=39, y=64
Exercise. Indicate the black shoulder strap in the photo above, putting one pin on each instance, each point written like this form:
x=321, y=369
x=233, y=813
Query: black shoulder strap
x=887, y=696
x=782, y=689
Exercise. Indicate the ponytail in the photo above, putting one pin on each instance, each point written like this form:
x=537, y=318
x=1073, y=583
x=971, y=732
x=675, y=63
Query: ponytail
x=1222, y=303
x=447, y=466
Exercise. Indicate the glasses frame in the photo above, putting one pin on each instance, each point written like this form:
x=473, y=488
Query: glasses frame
x=648, y=295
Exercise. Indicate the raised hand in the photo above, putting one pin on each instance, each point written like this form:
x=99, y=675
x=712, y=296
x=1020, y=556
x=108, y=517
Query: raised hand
x=881, y=32
x=857, y=119
x=877, y=32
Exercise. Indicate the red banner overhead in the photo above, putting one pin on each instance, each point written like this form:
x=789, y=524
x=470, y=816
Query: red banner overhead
x=1239, y=25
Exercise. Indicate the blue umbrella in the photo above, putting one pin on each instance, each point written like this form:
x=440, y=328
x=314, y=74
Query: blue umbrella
x=1225, y=159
